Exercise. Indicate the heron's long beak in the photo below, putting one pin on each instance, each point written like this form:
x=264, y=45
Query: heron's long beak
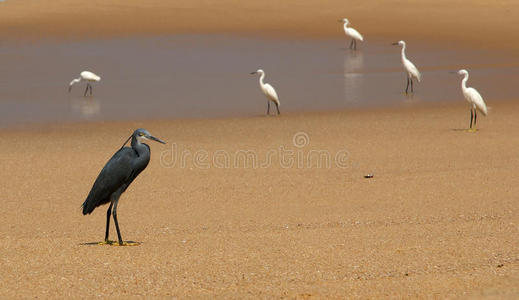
x=151, y=137
x=453, y=72
x=340, y=21
x=252, y=73
x=395, y=43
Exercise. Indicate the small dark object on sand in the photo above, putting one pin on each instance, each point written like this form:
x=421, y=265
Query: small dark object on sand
x=368, y=176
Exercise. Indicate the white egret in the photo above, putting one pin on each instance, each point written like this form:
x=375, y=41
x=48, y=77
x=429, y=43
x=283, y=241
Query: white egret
x=473, y=97
x=268, y=90
x=87, y=76
x=412, y=71
x=354, y=34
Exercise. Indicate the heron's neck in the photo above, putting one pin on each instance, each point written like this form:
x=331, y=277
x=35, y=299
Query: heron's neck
x=261, y=79
x=142, y=150
x=403, y=53
x=345, y=26
x=464, y=82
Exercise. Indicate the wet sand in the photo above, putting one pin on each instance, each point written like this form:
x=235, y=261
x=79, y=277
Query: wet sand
x=482, y=23
x=438, y=219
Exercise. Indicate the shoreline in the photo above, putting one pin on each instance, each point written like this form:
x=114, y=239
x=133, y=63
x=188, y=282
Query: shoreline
x=372, y=110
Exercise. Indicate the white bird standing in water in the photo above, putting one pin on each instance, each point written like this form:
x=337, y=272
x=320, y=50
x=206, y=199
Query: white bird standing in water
x=412, y=71
x=86, y=76
x=473, y=97
x=354, y=34
x=268, y=90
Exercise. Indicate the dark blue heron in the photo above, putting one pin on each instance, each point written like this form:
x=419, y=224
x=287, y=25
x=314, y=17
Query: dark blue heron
x=118, y=173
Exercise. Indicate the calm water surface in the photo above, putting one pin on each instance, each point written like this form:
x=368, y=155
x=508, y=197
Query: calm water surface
x=193, y=76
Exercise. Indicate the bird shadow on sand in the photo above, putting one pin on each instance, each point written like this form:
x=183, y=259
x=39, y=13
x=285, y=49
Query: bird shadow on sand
x=465, y=130
x=111, y=243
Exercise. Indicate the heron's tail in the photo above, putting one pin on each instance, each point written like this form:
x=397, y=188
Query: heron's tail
x=88, y=206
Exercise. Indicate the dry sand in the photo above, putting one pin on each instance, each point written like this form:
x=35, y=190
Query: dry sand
x=439, y=219
x=483, y=23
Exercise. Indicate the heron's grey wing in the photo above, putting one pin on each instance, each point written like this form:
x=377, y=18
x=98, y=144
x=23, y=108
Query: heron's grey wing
x=115, y=173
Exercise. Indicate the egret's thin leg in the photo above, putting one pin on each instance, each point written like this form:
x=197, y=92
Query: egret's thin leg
x=475, y=116
x=412, y=90
x=86, y=90
x=108, y=213
x=277, y=107
x=268, y=107
x=90, y=90
x=114, y=213
x=471, y=117
x=351, y=44
x=354, y=44
x=407, y=86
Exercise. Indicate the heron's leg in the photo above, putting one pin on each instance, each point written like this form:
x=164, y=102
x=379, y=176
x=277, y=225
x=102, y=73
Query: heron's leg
x=407, y=86
x=277, y=107
x=268, y=107
x=90, y=90
x=351, y=44
x=86, y=90
x=114, y=213
x=108, y=213
x=471, y=117
x=412, y=91
x=354, y=44
x=475, y=116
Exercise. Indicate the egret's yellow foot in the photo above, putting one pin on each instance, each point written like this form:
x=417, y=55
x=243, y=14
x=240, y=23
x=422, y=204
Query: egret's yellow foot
x=472, y=130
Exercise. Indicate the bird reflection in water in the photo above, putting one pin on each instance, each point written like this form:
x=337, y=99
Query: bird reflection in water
x=88, y=107
x=353, y=75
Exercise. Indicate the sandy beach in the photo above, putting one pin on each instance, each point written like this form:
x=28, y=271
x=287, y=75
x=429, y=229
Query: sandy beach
x=481, y=23
x=438, y=219
x=254, y=206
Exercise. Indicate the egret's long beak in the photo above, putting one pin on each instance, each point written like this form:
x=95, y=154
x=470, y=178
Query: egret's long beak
x=395, y=43
x=151, y=137
x=252, y=73
x=340, y=21
x=453, y=72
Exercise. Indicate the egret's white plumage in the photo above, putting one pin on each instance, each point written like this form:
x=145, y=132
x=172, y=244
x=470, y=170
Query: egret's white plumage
x=85, y=76
x=268, y=90
x=473, y=97
x=351, y=32
x=410, y=68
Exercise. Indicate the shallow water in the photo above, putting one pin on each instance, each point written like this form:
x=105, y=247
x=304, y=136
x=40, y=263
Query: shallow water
x=208, y=76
